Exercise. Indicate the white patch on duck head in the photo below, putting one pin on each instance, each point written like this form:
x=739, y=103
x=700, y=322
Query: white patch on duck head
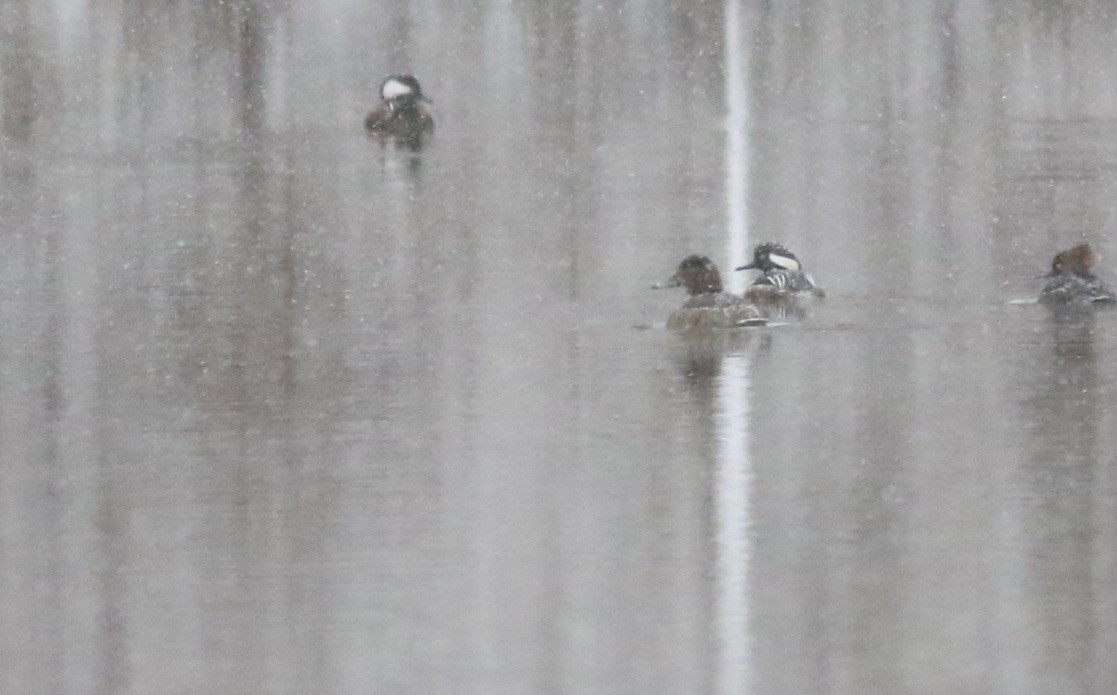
x=785, y=262
x=394, y=89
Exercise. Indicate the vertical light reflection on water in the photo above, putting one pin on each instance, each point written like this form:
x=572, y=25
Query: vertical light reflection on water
x=736, y=144
x=732, y=500
x=733, y=473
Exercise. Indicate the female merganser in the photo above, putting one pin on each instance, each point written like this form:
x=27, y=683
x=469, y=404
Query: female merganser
x=707, y=306
x=1073, y=281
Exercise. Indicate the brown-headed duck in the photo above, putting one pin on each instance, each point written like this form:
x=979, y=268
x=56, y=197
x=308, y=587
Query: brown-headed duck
x=1073, y=280
x=707, y=305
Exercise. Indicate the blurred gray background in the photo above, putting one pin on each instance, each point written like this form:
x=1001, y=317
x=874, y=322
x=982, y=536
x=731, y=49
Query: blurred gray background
x=286, y=411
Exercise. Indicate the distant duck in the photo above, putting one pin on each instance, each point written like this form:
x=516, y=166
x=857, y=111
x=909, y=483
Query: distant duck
x=403, y=115
x=1073, y=281
x=781, y=275
x=707, y=306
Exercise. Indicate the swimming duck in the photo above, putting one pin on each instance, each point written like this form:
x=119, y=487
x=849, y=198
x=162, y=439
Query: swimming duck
x=781, y=275
x=403, y=115
x=1073, y=280
x=707, y=305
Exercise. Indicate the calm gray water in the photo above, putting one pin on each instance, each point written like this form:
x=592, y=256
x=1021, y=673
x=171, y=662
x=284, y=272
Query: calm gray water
x=284, y=411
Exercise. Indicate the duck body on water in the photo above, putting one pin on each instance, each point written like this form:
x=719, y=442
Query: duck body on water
x=708, y=305
x=781, y=278
x=402, y=116
x=1072, y=279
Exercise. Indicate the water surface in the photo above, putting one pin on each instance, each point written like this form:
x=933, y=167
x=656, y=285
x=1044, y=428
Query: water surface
x=285, y=411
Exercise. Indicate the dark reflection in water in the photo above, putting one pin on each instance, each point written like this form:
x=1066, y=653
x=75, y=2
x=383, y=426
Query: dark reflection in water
x=1064, y=484
x=19, y=92
x=285, y=411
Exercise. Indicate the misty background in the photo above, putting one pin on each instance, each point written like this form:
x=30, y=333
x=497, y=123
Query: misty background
x=286, y=411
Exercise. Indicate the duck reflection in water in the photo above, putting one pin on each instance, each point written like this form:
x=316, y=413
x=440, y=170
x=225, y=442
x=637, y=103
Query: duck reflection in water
x=708, y=306
x=1073, y=333
x=403, y=116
